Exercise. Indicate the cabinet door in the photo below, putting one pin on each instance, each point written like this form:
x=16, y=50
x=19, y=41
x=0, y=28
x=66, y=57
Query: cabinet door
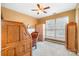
x=28, y=54
x=20, y=50
x=7, y=52
x=23, y=33
x=71, y=38
x=13, y=33
x=11, y=52
x=4, y=34
x=4, y=52
x=28, y=43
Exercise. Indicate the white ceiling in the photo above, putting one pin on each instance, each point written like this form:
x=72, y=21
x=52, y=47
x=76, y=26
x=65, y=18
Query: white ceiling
x=27, y=7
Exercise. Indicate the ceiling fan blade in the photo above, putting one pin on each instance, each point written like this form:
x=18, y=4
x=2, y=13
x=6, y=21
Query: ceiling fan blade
x=44, y=11
x=46, y=7
x=38, y=5
x=34, y=9
x=37, y=13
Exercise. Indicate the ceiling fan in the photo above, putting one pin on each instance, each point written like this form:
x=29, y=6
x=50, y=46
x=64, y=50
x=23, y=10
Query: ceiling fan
x=40, y=8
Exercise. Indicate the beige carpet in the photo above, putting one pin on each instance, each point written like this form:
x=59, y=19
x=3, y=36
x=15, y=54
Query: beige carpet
x=51, y=49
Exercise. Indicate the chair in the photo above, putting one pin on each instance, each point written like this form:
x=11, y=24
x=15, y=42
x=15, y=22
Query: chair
x=34, y=39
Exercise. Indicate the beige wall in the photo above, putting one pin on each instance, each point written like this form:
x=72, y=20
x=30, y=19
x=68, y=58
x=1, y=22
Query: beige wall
x=11, y=15
x=70, y=14
x=39, y=29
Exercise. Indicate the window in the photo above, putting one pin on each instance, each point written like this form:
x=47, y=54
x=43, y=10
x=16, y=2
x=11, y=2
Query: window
x=31, y=29
x=55, y=28
x=50, y=27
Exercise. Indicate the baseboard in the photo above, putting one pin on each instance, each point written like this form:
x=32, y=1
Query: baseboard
x=55, y=41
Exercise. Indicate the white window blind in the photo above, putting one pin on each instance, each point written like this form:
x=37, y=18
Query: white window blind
x=55, y=28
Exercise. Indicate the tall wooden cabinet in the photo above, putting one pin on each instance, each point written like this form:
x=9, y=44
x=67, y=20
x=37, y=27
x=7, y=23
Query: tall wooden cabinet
x=72, y=37
x=16, y=40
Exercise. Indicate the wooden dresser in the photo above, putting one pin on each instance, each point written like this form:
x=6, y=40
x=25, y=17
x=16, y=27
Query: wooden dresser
x=16, y=40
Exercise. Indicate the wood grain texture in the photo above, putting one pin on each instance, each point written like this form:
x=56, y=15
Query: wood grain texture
x=16, y=41
x=71, y=37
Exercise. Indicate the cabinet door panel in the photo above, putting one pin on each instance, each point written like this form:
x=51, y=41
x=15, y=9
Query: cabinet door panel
x=4, y=52
x=23, y=33
x=8, y=52
x=4, y=35
x=72, y=36
x=28, y=43
x=13, y=33
x=11, y=52
x=20, y=50
x=71, y=40
x=28, y=54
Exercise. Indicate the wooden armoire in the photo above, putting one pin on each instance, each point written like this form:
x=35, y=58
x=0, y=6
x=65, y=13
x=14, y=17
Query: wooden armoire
x=71, y=41
x=16, y=40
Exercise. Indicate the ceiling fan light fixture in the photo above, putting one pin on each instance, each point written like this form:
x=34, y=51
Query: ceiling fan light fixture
x=40, y=8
